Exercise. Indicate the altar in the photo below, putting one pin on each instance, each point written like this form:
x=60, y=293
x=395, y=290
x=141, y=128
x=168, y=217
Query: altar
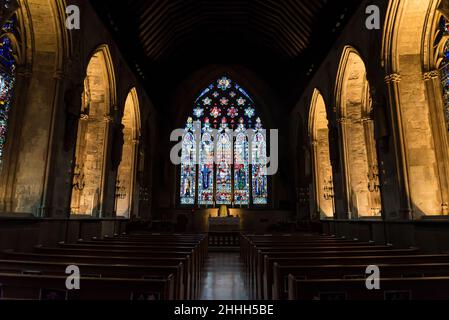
x=224, y=229
x=224, y=224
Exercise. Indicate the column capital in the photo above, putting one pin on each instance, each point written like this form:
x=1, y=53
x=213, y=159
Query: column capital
x=342, y=120
x=84, y=116
x=433, y=74
x=108, y=118
x=394, y=77
x=24, y=72
x=59, y=75
x=367, y=119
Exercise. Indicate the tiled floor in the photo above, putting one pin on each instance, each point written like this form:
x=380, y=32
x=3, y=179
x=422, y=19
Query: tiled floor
x=223, y=277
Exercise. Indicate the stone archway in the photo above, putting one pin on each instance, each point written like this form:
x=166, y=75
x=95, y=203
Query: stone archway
x=126, y=176
x=322, y=169
x=92, y=138
x=360, y=165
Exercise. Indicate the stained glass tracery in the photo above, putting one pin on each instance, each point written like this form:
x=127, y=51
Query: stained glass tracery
x=444, y=66
x=225, y=112
x=7, y=81
x=188, y=165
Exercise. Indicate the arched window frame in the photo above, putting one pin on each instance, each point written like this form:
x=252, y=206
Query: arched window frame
x=442, y=47
x=228, y=109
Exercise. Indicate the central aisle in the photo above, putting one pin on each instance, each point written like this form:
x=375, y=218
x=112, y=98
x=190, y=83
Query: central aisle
x=223, y=277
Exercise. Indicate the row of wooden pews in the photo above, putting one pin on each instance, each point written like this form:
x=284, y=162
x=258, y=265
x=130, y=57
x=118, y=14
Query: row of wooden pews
x=137, y=266
x=311, y=267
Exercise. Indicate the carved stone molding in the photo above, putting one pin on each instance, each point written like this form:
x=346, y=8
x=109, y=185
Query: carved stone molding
x=108, y=118
x=343, y=120
x=367, y=119
x=394, y=77
x=59, y=75
x=434, y=74
x=84, y=117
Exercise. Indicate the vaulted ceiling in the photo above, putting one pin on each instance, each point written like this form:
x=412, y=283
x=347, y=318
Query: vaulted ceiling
x=281, y=40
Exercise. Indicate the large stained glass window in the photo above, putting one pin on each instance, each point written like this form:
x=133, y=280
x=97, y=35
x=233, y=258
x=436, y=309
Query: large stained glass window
x=444, y=66
x=7, y=80
x=230, y=134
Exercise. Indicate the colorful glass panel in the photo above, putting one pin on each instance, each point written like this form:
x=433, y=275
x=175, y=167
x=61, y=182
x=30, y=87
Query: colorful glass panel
x=188, y=166
x=224, y=169
x=241, y=167
x=225, y=111
x=259, y=171
x=7, y=81
x=206, y=168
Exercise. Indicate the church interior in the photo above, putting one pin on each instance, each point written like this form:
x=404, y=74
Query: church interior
x=224, y=150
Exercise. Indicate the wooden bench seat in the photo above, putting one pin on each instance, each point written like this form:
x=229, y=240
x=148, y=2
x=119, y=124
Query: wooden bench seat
x=264, y=270
x=189, y=277
x=99, y=271
x=42, y=287
x=431, y=288
x=348, y=260
x=281, y=273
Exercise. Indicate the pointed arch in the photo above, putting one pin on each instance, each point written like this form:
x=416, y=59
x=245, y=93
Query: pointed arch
x=322, y=168
x=40, y=51
x=98, y=103
x=413, y=79
x=127, y=170
x=354, y=110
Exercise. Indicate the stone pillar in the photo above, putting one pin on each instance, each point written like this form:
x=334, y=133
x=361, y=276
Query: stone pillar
x=108, y=119
x=439, y=132
x=45, y=209
x=368, y=126
x=402, y=171
x=133, y=180
x=345, y=172
x=316, y=188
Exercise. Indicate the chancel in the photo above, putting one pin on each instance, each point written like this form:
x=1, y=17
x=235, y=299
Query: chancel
x=224, y=150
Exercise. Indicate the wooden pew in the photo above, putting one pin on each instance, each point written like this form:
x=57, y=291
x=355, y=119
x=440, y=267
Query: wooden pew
x=432, y=288
x=282, y=272
x=192, y=259
x=179, y=257
x=255, y=264
x=265, y=271
x=199, y=242
x=250, y=245
x=346, y=260
x=107, y=259
x=99, y=271
x=36, y=287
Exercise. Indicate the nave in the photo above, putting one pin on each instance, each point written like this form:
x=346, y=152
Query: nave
x=150, y=266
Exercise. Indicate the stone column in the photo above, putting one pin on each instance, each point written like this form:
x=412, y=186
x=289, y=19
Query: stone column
x=440, y=135
x=133, y=180
x=45, y=209
x=316, y=179
x=402, y=169
x=345, y=172
x=108, y=120
x=368, y=126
